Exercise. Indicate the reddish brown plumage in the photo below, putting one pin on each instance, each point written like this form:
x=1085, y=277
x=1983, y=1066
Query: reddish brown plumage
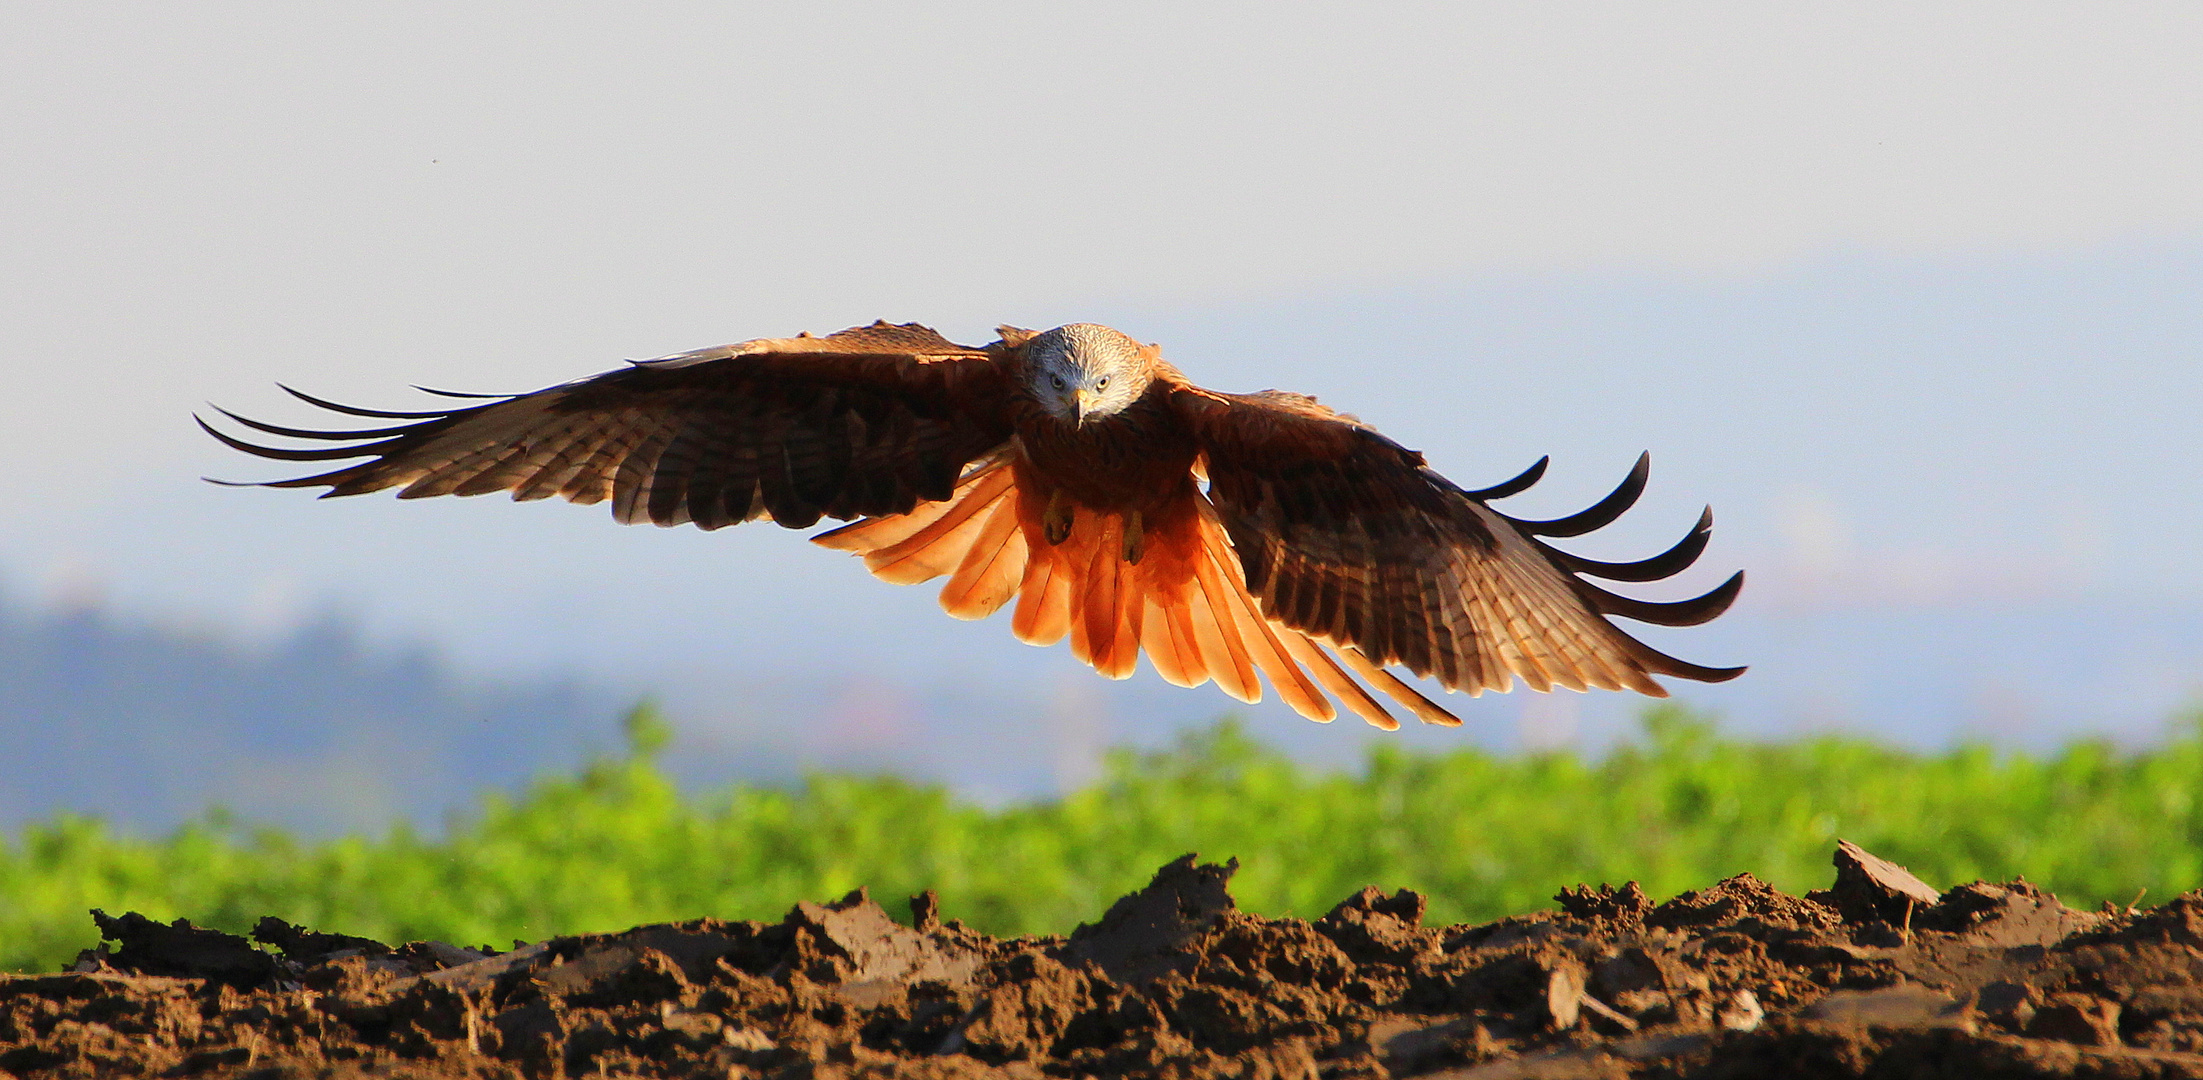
x=1064, y=471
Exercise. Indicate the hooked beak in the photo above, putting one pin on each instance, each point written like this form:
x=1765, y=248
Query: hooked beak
x=1082, y=403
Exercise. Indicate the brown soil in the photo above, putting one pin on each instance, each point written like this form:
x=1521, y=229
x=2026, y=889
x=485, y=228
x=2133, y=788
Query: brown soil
x=1879, y=976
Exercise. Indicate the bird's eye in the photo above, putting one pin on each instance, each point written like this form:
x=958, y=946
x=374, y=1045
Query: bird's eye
x=1102, y=383
x=1059, y=382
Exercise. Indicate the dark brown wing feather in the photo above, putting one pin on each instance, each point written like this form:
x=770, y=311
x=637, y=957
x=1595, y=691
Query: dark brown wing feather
x=868, y=421
x=1347, y=535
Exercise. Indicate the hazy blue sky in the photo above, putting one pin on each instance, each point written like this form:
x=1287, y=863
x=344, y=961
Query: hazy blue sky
x=1909, y=293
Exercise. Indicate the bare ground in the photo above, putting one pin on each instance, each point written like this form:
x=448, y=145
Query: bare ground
x=1878, y=976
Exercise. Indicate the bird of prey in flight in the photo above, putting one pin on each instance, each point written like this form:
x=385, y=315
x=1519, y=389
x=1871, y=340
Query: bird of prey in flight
x=1078, y=473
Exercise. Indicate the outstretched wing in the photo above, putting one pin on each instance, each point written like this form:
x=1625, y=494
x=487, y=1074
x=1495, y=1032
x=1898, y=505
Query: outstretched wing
x=1347, y=535
x=868, y=421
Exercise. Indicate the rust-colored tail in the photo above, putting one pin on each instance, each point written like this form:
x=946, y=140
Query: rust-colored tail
x=1185, y=602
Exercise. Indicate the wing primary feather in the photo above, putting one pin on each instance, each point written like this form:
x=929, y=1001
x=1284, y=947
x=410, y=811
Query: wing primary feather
x=1698, y=609
x=325, y=436
x=341, y=482
x=354, y=410
x=332, y=453
x=462, y=394
x=1661, y=663
x=1599, y=514
x=333, y=476
x=1522, y=482
x=1666, y=564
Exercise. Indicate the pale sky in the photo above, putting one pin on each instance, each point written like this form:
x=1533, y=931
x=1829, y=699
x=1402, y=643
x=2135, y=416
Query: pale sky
x=199, y=199
x=1597, y=228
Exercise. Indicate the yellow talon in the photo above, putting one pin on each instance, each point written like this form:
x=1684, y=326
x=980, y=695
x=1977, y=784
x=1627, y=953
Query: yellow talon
x=1055, y=522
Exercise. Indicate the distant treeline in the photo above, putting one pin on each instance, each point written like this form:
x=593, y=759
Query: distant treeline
x=1482, y=834
x=317, y=728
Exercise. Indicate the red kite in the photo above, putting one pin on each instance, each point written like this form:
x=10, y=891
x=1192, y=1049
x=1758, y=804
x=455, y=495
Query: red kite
x=1066, y=470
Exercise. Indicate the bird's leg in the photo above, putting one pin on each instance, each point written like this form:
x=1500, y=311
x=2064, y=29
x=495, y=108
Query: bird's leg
x=1135, y=539
x=1055, y=522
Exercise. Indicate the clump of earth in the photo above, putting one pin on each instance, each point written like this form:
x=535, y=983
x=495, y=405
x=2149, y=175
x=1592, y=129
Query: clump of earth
x=1879, y=975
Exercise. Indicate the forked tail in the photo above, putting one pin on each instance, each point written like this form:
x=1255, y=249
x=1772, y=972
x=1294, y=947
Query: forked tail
x=1184, y=602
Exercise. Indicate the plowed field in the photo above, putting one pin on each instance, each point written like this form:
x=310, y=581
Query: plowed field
x=1878, y=976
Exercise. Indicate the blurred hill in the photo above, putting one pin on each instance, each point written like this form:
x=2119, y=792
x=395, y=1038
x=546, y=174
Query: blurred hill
x=322, y=727
x=148, y=724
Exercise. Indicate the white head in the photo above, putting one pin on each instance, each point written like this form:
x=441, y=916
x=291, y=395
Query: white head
x=1086, y=371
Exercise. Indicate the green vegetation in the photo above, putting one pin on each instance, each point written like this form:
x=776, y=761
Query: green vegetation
x=1483, y=835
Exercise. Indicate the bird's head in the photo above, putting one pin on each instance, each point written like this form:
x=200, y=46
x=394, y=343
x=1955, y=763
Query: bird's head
x=1085, y=372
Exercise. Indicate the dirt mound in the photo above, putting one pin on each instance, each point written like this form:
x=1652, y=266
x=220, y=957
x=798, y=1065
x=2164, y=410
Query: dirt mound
x=1880, y=975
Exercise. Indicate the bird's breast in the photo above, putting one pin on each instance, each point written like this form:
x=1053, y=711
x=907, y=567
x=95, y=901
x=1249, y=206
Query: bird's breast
x=1122, y=463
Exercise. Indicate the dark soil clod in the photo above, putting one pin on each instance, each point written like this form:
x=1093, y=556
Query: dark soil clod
x=1870, y=888
x=1878, y=976
x=181, y=949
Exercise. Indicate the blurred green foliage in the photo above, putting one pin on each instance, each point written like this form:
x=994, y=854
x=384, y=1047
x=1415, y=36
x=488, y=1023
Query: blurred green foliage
x=1483, y=835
